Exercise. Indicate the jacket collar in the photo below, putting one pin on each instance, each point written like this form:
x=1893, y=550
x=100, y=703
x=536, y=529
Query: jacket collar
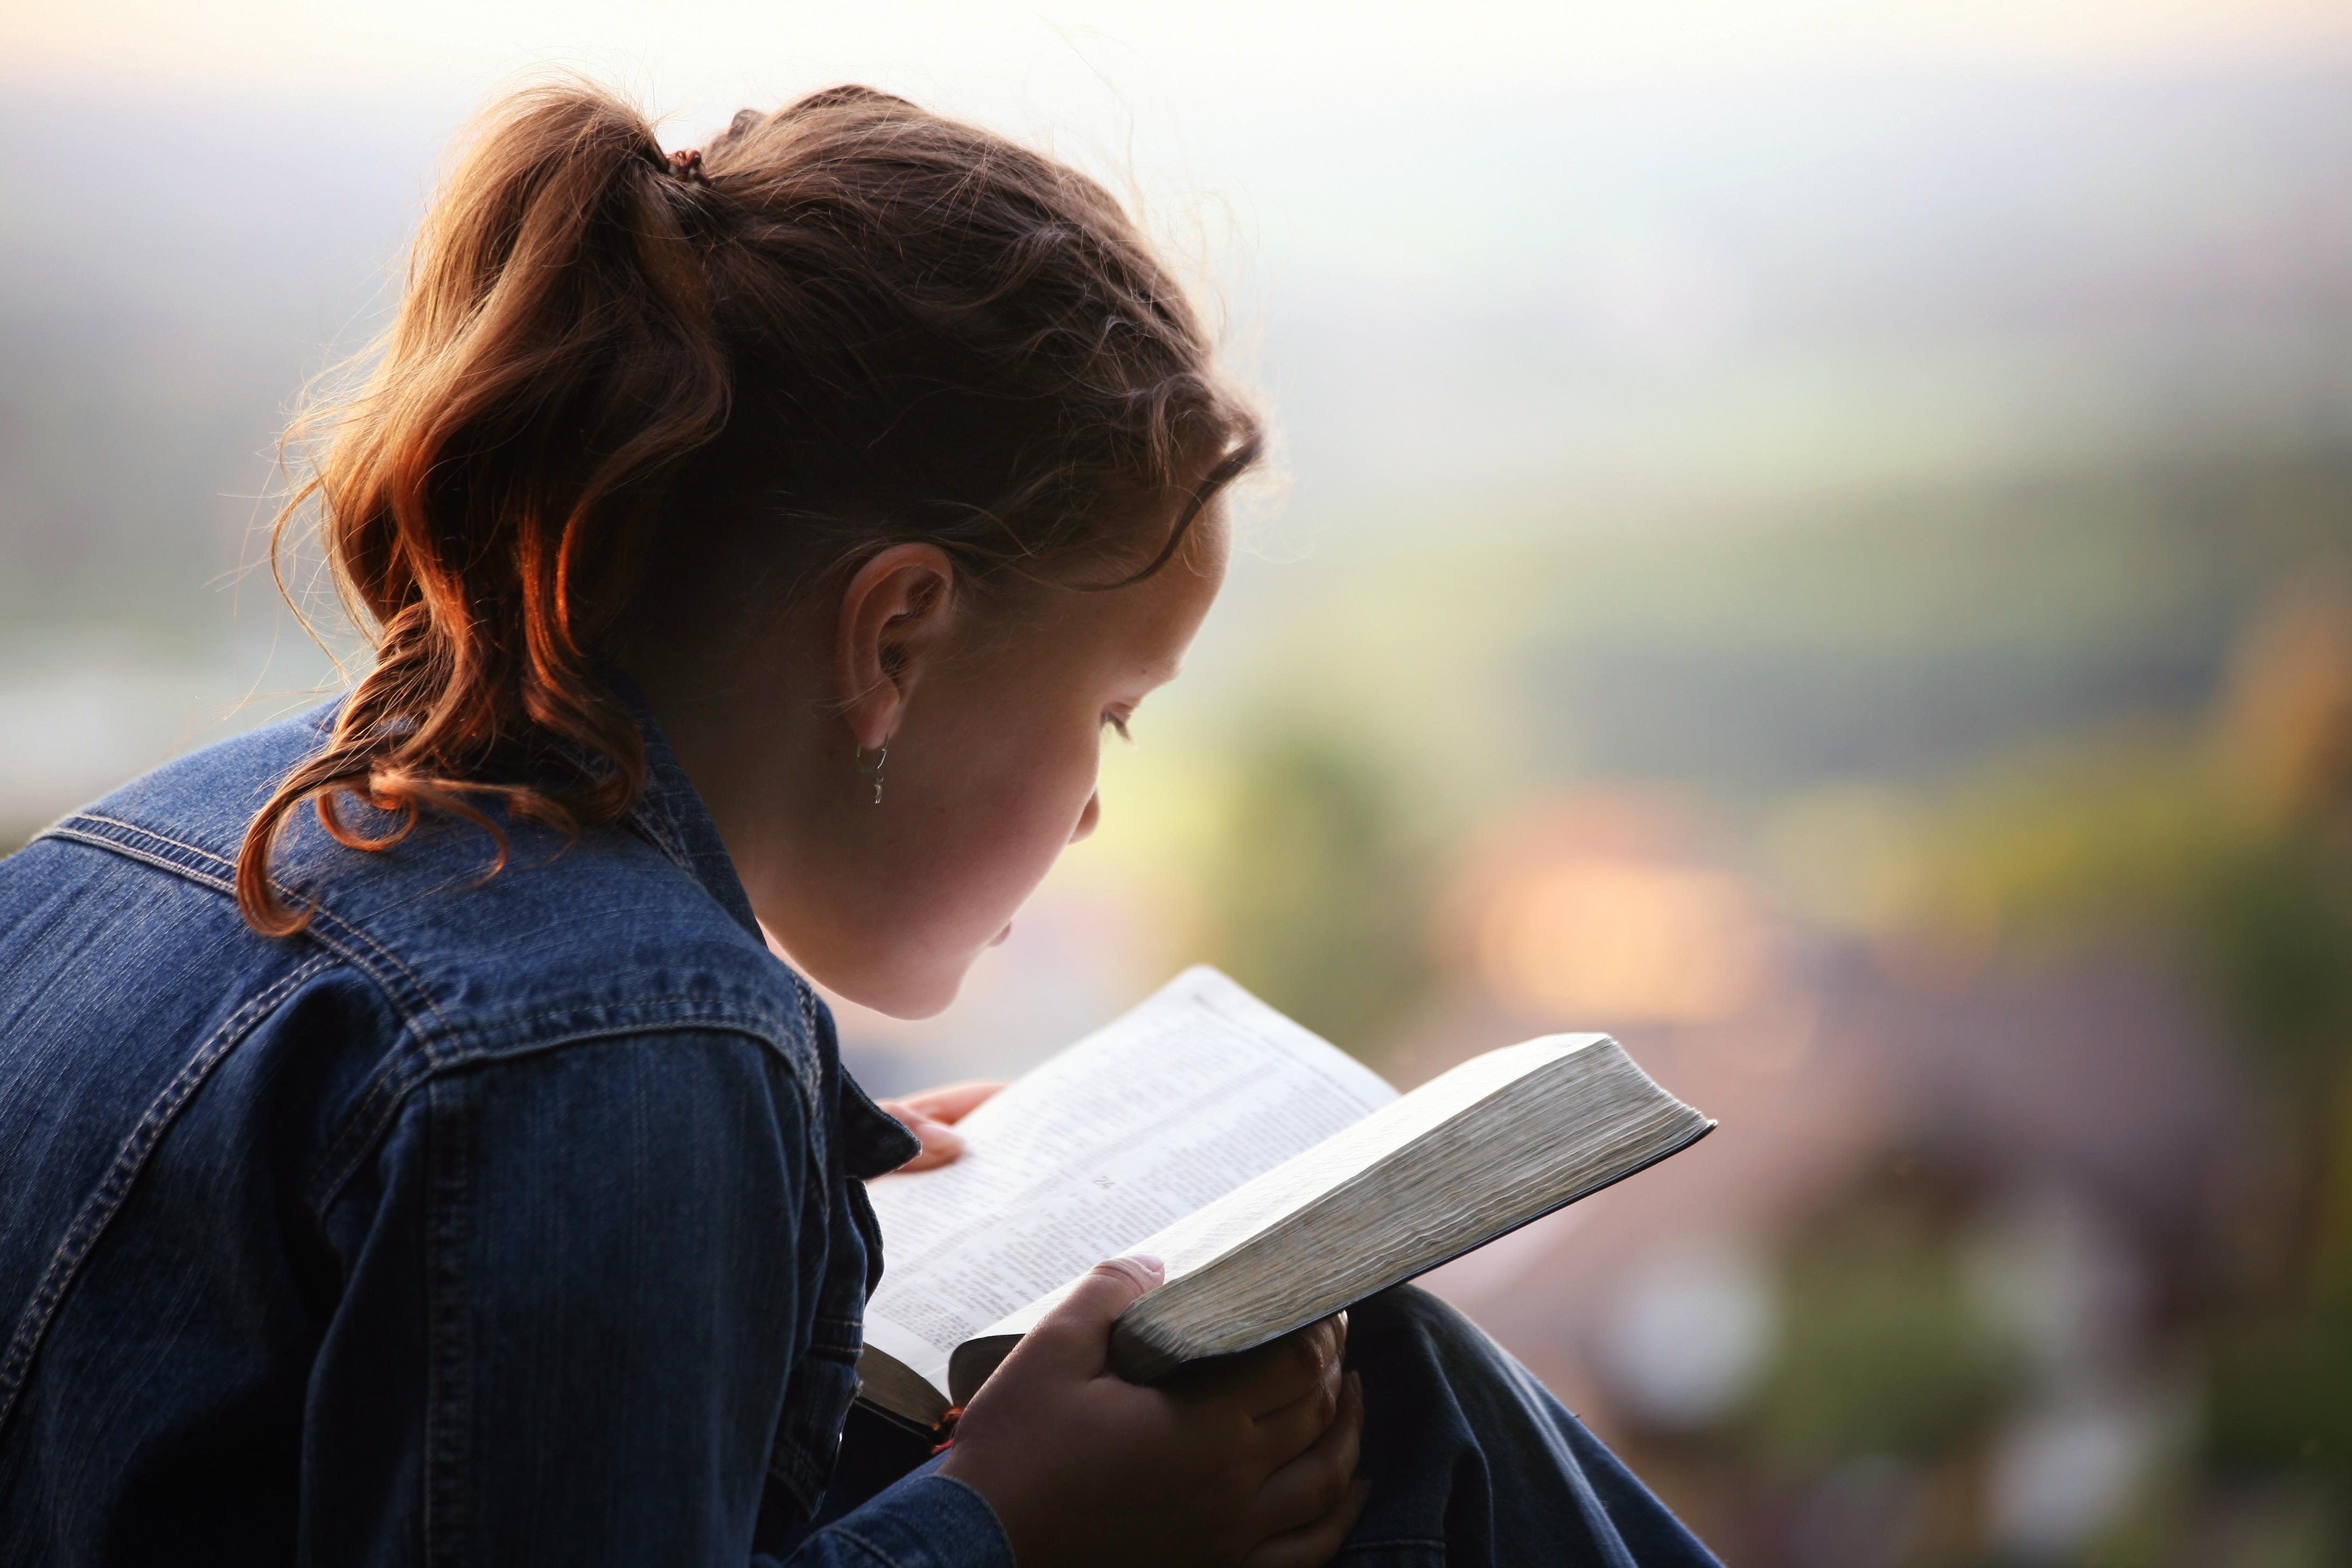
x=669, y=814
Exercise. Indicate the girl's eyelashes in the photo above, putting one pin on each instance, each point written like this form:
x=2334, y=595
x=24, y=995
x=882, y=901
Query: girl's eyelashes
x=1115, y=719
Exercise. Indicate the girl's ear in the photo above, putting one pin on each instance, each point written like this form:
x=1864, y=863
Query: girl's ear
x=896, y=612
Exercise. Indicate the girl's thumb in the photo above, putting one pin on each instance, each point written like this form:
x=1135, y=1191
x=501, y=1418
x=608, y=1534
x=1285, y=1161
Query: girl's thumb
x=1078, y=1327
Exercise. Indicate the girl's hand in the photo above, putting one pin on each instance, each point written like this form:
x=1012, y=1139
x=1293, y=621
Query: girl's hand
x=931, y=1116
x=1247, y=1460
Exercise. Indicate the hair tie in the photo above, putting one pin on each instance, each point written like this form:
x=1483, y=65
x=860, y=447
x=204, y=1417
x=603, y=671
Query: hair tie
x=687, y=165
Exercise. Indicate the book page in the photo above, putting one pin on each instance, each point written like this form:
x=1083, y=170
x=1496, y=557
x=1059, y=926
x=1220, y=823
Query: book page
x=1162, y=1111
x=1201, y=1236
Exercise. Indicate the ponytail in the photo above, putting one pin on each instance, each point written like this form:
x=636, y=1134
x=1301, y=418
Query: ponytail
x=901, y=327
x=553, y=353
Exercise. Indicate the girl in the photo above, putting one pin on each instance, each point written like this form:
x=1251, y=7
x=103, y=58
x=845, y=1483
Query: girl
x=413, y=1152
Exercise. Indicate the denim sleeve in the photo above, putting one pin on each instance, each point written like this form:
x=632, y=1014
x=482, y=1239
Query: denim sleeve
x=581, y=1315
x=923, y=1521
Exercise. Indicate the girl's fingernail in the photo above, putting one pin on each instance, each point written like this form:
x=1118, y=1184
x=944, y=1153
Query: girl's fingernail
x=1151, y=1266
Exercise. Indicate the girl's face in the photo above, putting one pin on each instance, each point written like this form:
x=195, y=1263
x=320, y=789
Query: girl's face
x=994, y=719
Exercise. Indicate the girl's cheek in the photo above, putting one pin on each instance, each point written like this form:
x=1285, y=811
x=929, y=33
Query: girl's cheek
x=1059, y=809
x=1008, y=836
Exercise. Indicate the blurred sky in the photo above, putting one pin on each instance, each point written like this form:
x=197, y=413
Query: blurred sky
x=980, y=57
x=1679, y=246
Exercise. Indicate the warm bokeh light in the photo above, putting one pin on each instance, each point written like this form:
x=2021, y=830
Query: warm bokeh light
x=1592, y=939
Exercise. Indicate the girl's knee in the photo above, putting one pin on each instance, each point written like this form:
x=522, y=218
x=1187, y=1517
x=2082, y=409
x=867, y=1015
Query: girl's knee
x=1407, y=1315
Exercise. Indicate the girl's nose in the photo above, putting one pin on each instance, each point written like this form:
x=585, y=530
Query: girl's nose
x=1089, y=818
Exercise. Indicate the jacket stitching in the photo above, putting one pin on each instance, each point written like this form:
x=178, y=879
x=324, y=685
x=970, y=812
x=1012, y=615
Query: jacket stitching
x=810, y=1110
x=360, y=1131
x=357, y=960
x=384, y=1097
x=790, y=1463
x=448, y=1360
x=722, y=1012
x=439, y=1048
x=843, y=1532
x=98, y=1211
x=320, y=912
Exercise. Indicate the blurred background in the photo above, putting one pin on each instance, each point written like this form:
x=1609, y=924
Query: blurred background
x=1814, y=537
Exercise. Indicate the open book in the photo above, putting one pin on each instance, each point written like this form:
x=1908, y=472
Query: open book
x=1278, y=1179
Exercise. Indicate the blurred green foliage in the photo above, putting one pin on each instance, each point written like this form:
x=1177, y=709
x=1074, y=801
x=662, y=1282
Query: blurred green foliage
x=2280, y=1393
x=1883, y=1352
x=1317, y=894
x=2230, y=843
x=2275, y=924
x=1917, y=634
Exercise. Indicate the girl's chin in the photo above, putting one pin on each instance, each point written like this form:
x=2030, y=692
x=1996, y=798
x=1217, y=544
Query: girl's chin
x=912, y=1000
x=933, y=994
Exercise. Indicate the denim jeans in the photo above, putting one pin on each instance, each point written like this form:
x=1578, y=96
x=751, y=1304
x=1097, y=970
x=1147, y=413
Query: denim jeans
x=1472, y=1462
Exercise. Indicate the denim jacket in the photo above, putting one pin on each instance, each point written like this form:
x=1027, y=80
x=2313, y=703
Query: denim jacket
x=495, y=1221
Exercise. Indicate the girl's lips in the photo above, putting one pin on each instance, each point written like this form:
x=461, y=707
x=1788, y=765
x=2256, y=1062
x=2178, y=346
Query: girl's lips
x=998, y=940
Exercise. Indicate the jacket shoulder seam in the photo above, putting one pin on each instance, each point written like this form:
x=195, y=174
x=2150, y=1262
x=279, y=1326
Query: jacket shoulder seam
x=381, y=1105
x=437, y=1045
x=372, y=957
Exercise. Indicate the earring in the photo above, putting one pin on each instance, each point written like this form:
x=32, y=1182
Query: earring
x=872, y=768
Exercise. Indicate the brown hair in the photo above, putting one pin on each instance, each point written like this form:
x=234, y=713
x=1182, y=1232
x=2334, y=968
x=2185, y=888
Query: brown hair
x=618, y=381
